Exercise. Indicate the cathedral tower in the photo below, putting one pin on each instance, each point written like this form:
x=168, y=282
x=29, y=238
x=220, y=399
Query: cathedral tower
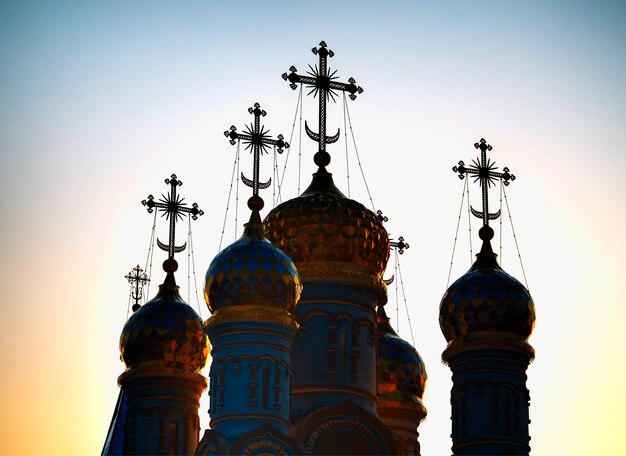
x=164, y=347
x=251, y=288
x=401, y=380
x=487, y=316
x=341, y=250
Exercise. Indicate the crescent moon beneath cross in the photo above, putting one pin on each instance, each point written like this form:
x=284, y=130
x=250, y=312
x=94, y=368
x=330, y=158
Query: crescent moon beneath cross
x=250, y=183
x=316, y=136
x=166, y=248
x=491, y=216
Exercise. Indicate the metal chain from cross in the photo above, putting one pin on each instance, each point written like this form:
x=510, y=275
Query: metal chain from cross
x=486, y=174
x=324, y=85
x=257, y=138
x=174, y=209
x=137, y=278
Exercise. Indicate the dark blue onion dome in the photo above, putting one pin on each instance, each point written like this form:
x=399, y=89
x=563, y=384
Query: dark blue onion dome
x=486, y=306
x=401, y=373
x=165, y=331
x=252, y=271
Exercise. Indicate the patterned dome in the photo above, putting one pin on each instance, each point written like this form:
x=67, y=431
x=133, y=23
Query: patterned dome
x=401, y=373
x=486, y=300
x=165, y=330
x=252, y=271
x=323, y=226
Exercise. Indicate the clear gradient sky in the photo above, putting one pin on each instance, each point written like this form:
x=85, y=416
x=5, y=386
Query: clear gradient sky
x=100, y=101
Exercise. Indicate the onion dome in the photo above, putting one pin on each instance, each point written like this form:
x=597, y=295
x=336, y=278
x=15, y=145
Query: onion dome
x=252, y=271
x=165, y=331
x=322, y=226
x=486, y=304
x=401, y=373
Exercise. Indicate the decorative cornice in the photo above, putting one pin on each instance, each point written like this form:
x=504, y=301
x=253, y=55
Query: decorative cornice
x=415, y=409
x=487, y=341
x=255, y=312
x=331, y=388
x=156, y=369
x=343, y=272
x=269, y=416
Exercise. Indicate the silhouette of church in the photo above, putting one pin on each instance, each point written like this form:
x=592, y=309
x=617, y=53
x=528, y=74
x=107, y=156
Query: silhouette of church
x=303, y=358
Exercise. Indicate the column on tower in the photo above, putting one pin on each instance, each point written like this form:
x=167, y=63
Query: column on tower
x=251, y=288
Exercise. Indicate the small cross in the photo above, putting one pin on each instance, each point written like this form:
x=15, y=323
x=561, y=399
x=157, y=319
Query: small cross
x=381, y=217
x=138, y=278
x=323, y=83
x=485, y=172
x=256, y=138
x=173, y=209
x=400, y=245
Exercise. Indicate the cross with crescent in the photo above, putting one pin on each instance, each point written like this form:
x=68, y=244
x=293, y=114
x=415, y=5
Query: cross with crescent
x=138, y=279
x=174, y=209
x=400, y=245
x=256, y=137
x=324, y=85
x=485, y=172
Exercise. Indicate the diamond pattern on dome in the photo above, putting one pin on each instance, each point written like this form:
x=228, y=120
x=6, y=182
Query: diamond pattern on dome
x=400, y=370
x=486, y=300
x=329, y=227
x=252, y=269
x=167, y=331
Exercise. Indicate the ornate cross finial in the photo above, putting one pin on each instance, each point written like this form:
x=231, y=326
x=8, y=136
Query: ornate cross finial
x=138, y=279
x=256, y=138
x=173, y=209
x=400, y=245
x=486, y=174
x=324, y=85
x=381, y=217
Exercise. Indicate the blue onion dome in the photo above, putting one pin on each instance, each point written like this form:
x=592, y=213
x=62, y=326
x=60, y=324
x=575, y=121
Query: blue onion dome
x=322, y=227
x=486, y=304
x=400, y=371
x=252, y=271
x=165, y=331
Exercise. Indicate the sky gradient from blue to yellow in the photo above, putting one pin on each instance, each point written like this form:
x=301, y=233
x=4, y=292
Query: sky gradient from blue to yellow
x=99, y=102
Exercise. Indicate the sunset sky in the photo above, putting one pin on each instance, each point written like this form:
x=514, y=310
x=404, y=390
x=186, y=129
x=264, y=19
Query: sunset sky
x=101, y=101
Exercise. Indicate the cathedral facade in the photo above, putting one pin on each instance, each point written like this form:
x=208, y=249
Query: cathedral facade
x=303, y=359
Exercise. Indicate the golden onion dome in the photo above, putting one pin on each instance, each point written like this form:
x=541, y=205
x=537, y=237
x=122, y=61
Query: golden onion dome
x=252, y=271
x=165, y=331
x=322, y=226
x=486, y=303
x=401, y=373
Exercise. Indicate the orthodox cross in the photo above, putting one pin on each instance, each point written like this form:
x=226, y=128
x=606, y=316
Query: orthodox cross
x=138, y=279
x=174, y=209
x=324, y=85
x=400, y=247
x=485, y=172
x=256, y=137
